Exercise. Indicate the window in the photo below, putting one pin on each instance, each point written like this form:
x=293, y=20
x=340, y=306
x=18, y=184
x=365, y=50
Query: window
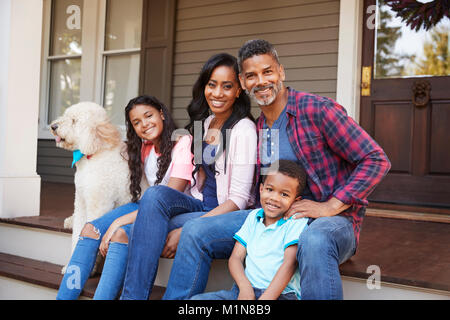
x=64, y=59
x=91, y=52
x=121, y=56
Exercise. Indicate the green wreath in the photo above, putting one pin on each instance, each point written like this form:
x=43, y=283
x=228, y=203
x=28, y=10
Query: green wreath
x=417, y=14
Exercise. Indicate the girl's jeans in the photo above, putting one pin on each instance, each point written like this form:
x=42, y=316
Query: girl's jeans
x=328, y=242
x=84, y=257
x=161, y=210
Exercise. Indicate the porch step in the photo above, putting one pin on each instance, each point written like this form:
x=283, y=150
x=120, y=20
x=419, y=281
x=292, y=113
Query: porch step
x=30, y=273
x=412, y=255
x=43, y=242
x=37, y=238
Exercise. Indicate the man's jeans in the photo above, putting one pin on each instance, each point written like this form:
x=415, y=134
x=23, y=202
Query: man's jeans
x=322, y=247
x=161, y=210
x=325, y=244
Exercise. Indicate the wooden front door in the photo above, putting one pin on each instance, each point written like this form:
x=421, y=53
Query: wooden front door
x=406, y=105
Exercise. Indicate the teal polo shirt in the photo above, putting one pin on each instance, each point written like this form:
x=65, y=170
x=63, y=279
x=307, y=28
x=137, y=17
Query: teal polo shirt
x=265, y=248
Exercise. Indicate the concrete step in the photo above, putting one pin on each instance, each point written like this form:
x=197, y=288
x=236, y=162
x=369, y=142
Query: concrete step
x=411, y=268
x=45, y=240
x=24, y=279
x=36, y=238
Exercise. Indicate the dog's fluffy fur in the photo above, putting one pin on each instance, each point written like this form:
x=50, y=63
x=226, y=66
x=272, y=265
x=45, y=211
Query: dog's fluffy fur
x=102, y=181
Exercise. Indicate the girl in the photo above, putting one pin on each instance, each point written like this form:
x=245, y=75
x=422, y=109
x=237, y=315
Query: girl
x=225, y=145
x=151, y=151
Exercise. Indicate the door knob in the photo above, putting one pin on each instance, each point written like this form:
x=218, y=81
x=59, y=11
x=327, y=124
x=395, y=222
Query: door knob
x=421, y=93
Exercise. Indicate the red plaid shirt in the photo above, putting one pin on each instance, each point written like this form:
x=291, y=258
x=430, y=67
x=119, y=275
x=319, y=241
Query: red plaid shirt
x=340, y=158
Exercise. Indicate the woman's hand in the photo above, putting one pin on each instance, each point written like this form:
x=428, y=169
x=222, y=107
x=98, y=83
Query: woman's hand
x=171, y=244
x=201, y=177
x=104, y=245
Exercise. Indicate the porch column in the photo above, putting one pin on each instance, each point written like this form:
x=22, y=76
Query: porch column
x=20, y=64
x=349, y=56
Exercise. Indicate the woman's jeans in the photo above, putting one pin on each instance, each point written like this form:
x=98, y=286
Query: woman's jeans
x=234, y=293
x=85, y=254
x=328, y=242
x=161, y=210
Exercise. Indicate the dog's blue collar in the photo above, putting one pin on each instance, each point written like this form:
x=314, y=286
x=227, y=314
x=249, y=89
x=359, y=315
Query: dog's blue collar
x=77, y=155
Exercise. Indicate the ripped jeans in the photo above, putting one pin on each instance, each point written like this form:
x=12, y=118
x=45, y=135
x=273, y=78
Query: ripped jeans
x=84, y=256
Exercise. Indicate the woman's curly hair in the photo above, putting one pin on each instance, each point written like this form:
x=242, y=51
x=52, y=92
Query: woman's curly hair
x=134, y=144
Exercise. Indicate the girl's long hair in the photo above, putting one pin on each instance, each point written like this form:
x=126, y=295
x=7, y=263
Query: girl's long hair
x=134, y=144
x=198, y=109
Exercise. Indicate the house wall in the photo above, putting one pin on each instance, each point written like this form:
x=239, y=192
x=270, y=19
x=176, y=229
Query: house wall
x=54, y=164
x=304, y=32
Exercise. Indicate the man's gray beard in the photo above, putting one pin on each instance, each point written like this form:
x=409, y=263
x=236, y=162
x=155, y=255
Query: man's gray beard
x=269, y=100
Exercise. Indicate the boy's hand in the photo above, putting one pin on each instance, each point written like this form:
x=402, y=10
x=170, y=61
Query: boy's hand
x=246, y=294
x=313, y=209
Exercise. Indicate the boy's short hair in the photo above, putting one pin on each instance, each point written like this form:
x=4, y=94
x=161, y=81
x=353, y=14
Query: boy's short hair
x=256, y=47
x=290, y=169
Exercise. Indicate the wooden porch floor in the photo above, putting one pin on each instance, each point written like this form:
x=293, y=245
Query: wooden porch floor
x=57, y=199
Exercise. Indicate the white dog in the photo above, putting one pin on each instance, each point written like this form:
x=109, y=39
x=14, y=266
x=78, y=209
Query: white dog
x=102, y=175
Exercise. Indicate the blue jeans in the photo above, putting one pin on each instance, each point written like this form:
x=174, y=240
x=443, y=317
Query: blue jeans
x=202, y=240
x=322, y=247
x=234, y=293
x=161, y=210
x=84, y=257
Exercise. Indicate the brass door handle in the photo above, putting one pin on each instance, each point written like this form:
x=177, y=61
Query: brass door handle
x=366, y=77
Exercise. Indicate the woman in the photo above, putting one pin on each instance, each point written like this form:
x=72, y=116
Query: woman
x=151, y=151
x=224, y=146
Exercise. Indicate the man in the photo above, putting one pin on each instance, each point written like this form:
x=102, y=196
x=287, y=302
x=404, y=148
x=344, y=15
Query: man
x=343, y=163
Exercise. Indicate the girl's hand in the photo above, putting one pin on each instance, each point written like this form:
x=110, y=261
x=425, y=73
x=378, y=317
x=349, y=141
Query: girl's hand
x=107, y=238
x=171, y=244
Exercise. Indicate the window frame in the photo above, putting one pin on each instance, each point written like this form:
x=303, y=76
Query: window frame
x=93, y=59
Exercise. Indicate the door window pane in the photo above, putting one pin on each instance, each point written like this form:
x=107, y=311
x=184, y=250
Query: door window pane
x=121, y=84
x=66, y=27
x=64, y=86
x=123, y=24
x=402, y=52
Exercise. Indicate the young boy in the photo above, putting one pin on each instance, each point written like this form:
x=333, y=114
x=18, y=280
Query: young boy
x=267, y=242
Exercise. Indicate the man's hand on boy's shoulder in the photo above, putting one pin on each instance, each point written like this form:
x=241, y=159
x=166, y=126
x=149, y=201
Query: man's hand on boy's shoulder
x=313, y=209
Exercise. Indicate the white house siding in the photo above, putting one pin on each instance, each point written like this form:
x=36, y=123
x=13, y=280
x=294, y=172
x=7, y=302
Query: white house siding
x=304, y=32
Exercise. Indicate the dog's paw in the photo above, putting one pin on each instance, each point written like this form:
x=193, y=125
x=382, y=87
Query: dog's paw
x=68, y=222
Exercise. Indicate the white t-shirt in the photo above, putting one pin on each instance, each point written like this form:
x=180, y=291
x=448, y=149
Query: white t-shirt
x=180, y=166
